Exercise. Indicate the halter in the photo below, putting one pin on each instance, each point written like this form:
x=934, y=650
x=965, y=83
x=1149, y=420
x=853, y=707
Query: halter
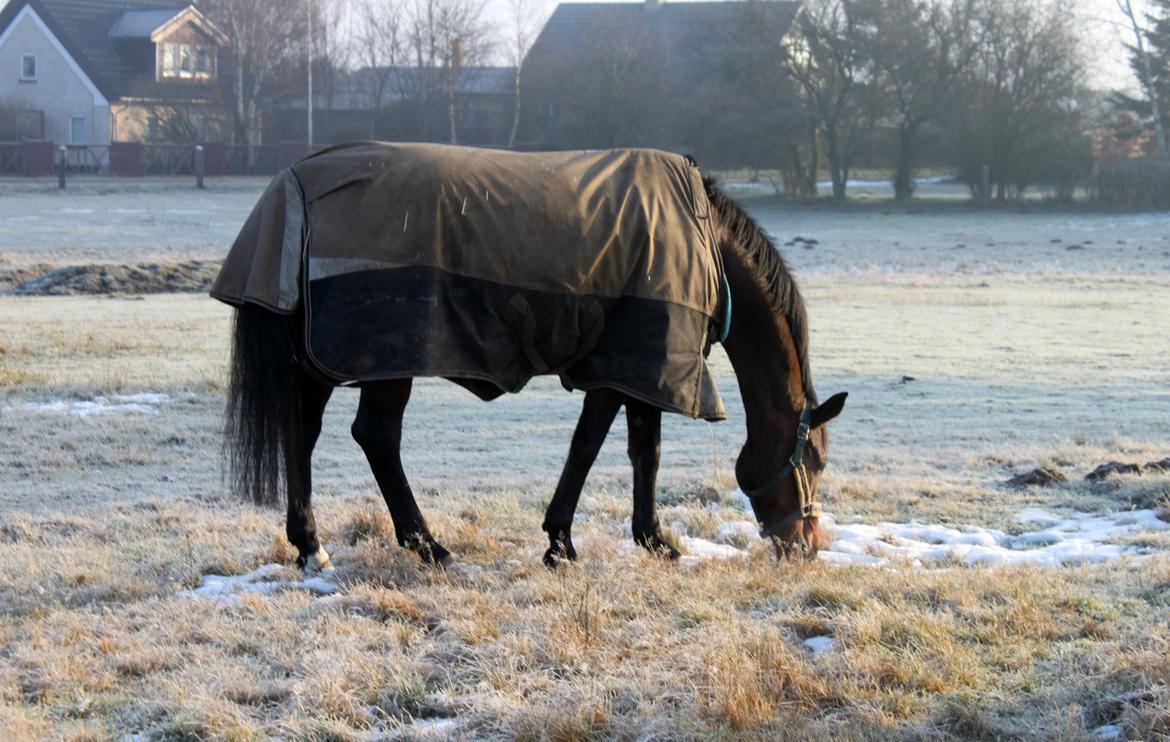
x=796, y=469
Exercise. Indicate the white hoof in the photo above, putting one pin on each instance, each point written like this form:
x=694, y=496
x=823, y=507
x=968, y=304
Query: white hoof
x=319, y=562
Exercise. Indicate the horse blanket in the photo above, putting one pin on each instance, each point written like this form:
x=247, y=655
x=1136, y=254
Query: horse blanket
x=489, y=267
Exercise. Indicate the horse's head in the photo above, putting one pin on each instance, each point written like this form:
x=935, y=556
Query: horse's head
x=785, y=504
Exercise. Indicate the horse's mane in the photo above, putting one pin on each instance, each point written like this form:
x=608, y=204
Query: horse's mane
x=771, y=270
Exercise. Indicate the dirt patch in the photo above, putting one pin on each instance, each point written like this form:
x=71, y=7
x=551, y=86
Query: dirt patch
x=1043, y=477
x=143, y=278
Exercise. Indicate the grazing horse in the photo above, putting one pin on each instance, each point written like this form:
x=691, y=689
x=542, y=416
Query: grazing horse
x=311, y=314
x=767, y=344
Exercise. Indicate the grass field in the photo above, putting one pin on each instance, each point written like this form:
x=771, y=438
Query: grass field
x=974, y=346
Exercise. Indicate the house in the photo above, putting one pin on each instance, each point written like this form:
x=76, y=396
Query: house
x=94, y=70
x=405, y=104
x=687, y=76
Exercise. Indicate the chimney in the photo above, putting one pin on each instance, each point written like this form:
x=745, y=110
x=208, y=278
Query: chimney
x=457, y=53
x=652, y=4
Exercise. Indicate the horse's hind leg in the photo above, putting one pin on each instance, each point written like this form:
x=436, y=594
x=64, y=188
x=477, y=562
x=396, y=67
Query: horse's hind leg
x=301, y=527
x=645, y=448
x=597, y=416
x=378, y=430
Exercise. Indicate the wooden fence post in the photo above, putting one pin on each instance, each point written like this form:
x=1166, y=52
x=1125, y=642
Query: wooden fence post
x=61, y=166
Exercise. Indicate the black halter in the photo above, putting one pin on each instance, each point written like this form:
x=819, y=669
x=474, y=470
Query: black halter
x=796, y=469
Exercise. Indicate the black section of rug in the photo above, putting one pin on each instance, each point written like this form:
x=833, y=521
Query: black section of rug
x=493, y=337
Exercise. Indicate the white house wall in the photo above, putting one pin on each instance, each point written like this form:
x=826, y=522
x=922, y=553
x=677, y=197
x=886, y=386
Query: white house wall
x=62, y=89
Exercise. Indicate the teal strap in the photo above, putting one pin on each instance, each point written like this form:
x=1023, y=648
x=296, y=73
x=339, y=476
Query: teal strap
x=725, y=328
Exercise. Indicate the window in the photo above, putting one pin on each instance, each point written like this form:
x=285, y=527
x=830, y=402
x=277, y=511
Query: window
x=77, y=130
x=203, y=60
x=186, y=63
x=28, y=67
x=170, y=60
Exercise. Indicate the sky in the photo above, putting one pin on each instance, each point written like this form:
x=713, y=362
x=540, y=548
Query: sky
x=1099, y=20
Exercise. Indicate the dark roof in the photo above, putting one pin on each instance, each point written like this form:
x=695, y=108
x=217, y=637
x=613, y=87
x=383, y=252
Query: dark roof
x=140, y=24
x=353, y=91
x=84, y=28
x=685, y=32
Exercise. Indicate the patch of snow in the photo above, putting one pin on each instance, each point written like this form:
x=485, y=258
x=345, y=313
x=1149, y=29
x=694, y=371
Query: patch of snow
x=433, y=728
x=115, y=404
x=734, y=531
x=1108, y=732
x=1076, y=538
x=820, y=644
x=701, y=547
x=265, y=580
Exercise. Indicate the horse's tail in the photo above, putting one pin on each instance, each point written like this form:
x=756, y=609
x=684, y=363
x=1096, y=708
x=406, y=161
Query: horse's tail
x=263, y=400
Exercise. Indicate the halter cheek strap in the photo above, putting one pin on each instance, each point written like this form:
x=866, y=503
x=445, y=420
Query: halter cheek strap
x=796, y=469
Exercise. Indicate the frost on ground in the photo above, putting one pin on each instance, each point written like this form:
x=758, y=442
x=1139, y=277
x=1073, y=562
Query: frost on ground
x=115, y=404
x=269, y=579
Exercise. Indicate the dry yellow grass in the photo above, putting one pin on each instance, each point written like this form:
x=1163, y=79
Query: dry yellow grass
x=105, y=521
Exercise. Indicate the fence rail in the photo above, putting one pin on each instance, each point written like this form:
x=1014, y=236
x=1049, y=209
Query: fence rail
x=136, y=159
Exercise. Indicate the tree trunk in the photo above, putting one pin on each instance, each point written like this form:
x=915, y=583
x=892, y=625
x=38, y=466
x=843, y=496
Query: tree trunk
x=809, y=186
x=837, y=168
x=451, y=104
x=516, y=114
x=904, y=163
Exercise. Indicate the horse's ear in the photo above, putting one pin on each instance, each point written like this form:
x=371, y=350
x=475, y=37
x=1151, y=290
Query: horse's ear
x=827, y=411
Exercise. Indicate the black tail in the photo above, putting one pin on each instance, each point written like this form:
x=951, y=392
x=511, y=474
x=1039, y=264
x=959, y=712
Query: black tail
x=263, y=397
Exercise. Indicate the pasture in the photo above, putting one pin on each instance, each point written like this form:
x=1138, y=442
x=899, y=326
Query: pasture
x=975, y=346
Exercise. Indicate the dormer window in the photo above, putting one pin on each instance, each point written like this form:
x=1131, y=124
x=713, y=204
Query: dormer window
x=185, y=61
x=28, y=68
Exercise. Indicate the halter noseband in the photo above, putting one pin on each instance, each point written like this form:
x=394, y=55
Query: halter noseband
x=796, y=469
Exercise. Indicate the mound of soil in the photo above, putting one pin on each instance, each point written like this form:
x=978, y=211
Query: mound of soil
x=144, y=278
x=1043, y=477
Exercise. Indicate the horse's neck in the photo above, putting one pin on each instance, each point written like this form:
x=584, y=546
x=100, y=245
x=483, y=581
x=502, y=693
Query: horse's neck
x=762, y=352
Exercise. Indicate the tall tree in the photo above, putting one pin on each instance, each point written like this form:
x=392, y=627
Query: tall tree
x=1016, y=108
x=827, y=61
x=379, y=39
x=1150, y=61
x=918, y=48
x=266, y=40
x=524, y=18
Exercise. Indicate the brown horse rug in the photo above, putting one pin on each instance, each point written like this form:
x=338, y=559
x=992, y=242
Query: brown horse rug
x=489, y=267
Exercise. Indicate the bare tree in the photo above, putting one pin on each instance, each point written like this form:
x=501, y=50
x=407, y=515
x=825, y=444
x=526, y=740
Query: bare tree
x=827, y=60
x=1145, y=73
x=524, y=19
x=266, y=41
x=918, y=49
x=1016, y=107
x=379, y=41
x=447, y=36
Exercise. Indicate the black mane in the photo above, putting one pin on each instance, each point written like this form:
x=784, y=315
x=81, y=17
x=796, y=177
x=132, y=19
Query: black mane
x=773, y=272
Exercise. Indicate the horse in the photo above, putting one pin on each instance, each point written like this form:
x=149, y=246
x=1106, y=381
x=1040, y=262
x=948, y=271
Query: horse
x=278, y=390
x=768, y=331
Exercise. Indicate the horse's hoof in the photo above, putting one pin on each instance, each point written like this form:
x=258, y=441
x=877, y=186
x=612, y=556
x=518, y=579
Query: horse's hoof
x=316, y=562
x=658, y=546
x=430, y=551
x=561, y=550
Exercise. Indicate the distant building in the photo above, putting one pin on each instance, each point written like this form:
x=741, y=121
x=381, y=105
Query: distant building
x=406, y=104
x=649, y=73
x=94, y=70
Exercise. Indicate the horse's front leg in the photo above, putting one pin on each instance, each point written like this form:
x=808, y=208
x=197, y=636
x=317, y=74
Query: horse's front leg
x=597, y=416
x=301, y=526
x=378, y=430
x=645, y=448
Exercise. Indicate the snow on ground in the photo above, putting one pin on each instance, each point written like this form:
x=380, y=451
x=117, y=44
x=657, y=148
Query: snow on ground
x=115, y=404
x=819, y=644
x=269, y=579
x=1054, y=540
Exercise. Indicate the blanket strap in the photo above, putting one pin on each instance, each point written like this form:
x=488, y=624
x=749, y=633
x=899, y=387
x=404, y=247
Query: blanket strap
x=528, y=333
